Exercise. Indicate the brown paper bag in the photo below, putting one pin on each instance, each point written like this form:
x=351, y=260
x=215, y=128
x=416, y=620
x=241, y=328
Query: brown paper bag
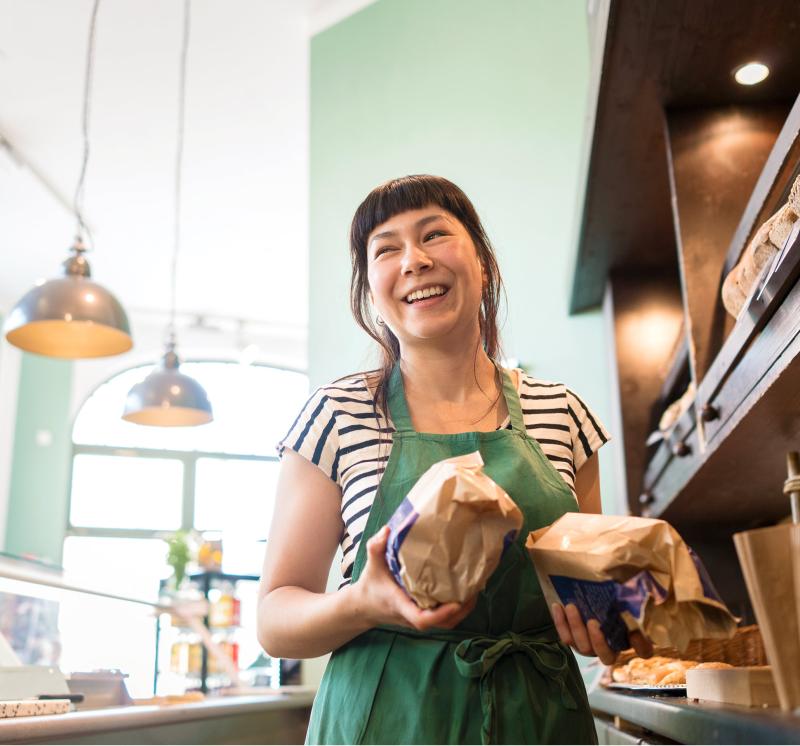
x=765, y=555
x=629, y=573
x=446, y=538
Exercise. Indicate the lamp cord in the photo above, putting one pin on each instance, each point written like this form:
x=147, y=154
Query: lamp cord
x=179, y=168
x=77, y=201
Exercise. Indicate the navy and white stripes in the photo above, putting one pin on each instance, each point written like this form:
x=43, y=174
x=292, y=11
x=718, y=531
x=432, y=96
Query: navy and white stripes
x=337, y=431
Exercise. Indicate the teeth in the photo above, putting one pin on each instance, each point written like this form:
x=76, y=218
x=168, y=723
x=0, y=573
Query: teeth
x=426, y=293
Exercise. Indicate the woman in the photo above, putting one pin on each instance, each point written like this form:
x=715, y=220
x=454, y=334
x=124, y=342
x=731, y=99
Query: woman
x=494, y=669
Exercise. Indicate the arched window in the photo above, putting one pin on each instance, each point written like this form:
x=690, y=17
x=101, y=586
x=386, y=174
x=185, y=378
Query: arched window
x=133, y=485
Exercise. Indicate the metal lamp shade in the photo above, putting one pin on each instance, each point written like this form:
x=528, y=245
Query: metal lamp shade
x=168, y=398
x=69, y=317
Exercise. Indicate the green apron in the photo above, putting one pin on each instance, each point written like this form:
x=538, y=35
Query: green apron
x=501, y=676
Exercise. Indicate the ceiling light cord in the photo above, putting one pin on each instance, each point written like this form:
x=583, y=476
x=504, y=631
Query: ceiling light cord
x=77, y=202
x=179, y=169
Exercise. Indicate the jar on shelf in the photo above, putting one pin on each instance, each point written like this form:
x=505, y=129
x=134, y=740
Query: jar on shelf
x=224, y=608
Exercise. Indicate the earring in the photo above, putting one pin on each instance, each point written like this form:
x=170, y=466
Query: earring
x=379, y=321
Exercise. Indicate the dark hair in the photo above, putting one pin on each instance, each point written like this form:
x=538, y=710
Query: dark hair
x=384, y=202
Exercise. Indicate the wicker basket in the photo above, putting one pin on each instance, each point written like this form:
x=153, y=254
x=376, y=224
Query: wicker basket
x=745, y=648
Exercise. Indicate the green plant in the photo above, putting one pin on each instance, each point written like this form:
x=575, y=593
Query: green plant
x=179, y=554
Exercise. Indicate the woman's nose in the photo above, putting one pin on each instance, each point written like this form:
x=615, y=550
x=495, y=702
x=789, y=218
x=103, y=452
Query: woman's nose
x=415, y=259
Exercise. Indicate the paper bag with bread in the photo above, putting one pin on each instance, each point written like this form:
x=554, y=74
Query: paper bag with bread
x=629, y=573
x=448, y=535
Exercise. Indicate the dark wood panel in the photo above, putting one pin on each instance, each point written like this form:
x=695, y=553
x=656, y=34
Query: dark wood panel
x=760, y=336
x=741, y=479
x=715, y=156
x=648, y=316
x=674, y=477
x=660, y=54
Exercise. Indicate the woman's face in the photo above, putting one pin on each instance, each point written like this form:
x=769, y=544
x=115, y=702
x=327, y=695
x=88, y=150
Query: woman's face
x=425, y=278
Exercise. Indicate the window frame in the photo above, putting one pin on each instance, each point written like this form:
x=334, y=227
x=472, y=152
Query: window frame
x=189, y=461
x=187, y=458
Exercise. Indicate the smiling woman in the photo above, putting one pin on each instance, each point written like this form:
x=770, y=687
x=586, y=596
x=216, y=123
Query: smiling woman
x=425, y=286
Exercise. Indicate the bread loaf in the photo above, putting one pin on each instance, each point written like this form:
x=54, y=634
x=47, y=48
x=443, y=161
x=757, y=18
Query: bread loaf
x=794, y=196
x=732, y=296
x=782, y=226
x=756, y=257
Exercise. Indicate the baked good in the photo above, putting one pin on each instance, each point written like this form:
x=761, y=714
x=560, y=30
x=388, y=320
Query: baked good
x=659, y=670
x=782, y=227
x=732, y=296
x=794, y=196
x=757, y=255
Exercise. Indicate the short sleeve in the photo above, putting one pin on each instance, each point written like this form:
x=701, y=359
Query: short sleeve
x=314, y=434
x=588, y=433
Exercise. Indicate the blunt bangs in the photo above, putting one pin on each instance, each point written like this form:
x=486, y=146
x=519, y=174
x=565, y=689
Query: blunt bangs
x=409, y=193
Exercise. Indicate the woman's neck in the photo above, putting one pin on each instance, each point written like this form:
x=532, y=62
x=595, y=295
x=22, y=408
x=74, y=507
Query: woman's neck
x=454, y=375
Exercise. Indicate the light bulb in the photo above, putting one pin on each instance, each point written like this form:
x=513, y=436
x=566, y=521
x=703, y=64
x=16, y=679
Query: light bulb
x=751, y=73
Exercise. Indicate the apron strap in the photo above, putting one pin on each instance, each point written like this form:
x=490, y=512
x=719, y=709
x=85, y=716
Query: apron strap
x=512, y=402
x=396, y=399
x=398, y=407
x=477, y=658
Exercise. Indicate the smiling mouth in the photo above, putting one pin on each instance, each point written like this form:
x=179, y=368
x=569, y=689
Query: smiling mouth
x=431, y=292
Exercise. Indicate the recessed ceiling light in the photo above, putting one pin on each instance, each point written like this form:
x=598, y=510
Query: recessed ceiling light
x=751, y=73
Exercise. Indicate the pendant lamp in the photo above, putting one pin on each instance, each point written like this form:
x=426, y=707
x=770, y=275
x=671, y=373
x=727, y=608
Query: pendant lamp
x=72, y=316
x=167, y=397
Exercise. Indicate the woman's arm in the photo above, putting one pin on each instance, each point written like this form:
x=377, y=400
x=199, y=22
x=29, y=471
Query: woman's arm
x=296, y=617
x=587, y=486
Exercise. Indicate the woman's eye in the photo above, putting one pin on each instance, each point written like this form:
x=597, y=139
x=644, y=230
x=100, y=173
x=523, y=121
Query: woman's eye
x=434, y=234
x=382, y=250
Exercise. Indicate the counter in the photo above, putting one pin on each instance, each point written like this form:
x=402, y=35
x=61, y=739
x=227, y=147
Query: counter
x=261, y=719
x=677, y=719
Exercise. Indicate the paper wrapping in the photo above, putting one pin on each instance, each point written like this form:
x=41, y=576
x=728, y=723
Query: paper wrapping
x=448, y=535
x=629, y=573
x=767, y=556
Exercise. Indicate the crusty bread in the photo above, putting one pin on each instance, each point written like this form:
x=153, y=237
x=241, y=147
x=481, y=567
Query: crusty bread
x=782, y=225
x=658, y=670
x=756, y=257
x=794, y=196
x=732, y=296
x=676, y=677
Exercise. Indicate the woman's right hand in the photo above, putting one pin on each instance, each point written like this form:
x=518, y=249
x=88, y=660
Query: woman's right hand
x=382, y=601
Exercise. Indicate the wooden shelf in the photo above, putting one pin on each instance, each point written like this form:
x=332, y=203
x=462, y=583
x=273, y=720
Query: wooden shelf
x=683, y=167
x=658, y=56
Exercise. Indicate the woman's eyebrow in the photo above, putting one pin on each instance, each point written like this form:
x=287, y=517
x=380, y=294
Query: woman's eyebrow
x=419, y=224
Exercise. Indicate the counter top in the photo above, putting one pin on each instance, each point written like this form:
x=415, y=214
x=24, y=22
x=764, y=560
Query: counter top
x=689, y=721
x=105, y=725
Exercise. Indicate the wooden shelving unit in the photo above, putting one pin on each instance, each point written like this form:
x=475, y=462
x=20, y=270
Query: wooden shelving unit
x=683, y=167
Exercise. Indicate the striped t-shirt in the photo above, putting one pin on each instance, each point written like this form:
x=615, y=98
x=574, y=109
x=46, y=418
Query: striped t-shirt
x=338, y=432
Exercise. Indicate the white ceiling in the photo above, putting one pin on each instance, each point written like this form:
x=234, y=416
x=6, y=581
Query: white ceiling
x=244, y=249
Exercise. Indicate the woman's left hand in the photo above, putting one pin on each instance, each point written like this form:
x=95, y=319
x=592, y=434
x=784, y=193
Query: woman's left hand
x=587, y=637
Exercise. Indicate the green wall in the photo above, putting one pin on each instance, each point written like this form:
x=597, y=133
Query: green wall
x=37, y=503
x=491, y=95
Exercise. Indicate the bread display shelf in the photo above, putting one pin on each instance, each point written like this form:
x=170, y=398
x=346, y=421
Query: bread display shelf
x=681, y=720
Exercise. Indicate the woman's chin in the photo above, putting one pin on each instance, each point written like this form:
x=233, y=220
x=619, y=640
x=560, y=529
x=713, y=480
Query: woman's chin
x=434, y=334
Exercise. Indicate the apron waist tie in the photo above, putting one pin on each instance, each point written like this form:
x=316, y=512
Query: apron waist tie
x=476, y=658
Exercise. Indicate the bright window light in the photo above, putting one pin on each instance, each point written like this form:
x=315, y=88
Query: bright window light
x=126, y=492
x=234, y=495
x=751, y=73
